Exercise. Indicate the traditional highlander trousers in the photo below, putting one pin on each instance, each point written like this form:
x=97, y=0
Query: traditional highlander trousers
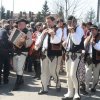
x=20, y=54
x=74, y=46
x=92, y=58
x=51, y=55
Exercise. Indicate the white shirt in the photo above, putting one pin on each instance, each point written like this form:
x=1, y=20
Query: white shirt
x=76, y=37
x=64, y=34
x=54, y=40
x=97, y=46
x=57, y=37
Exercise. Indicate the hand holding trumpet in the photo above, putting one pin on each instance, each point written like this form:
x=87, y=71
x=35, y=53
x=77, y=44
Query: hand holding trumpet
x=93, y=40
x=71, y=29
x=49, y=31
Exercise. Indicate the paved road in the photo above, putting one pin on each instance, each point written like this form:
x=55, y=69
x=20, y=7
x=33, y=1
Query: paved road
x=29, y=90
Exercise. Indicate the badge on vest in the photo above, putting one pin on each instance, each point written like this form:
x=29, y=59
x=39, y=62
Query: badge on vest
x=73, y=56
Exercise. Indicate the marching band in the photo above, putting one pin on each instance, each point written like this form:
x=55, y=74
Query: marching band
x=45, y=47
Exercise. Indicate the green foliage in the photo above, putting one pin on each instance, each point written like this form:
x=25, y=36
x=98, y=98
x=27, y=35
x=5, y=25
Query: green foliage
x=39, y=17
x=8, y=15
x=61, y=13
x=45, y=10
x=20, y=15
x=2, y=12
x=11, y=14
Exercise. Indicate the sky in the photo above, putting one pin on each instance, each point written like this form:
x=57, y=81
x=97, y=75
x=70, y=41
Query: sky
x=36, y=5
x=23, y=5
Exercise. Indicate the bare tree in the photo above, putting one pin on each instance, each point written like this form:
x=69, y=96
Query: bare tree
x=70, y=7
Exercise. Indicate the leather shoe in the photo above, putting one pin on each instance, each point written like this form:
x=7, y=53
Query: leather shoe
x=93, y=90
x=6, y=81
x=42, y=92
x=58, y=89
x=67, y=98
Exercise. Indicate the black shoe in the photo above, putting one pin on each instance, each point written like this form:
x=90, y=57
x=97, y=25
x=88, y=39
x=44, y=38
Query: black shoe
x=76, y=99
x=19, y=82
x=6, y=81
x=0, y=83
x=67, y=98
x=42, y=92
x=16, y=87
x=93, y=90
x=82, y=87
x=85, y=92
x=30, y=70
x=34, y=77
x=58, y=89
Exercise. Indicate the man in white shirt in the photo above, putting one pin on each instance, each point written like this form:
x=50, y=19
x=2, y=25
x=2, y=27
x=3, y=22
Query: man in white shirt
x=20, y=54
x=74, y=46
x=92, y=61
x=51, y=47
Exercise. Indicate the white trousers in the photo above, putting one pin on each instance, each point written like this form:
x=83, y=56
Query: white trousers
x=19, y=63
x=88, y=76
x=72, y=79
x=50, y=68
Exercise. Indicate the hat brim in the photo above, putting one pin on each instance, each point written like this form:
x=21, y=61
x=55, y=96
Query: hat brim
x=93, y=28
x=22, y=21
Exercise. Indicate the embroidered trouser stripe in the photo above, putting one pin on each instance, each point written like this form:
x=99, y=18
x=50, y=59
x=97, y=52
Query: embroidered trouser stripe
x=72, y=80
x=50, y=68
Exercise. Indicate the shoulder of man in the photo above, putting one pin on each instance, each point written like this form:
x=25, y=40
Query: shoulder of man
x=3, y=31
x=98, y=36
x=87, y=39
x=59, y=29
x=79, y=28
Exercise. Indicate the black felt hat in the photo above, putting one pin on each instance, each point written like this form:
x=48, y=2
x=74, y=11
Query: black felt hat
x=22, y=20
x=71, y=18
x=94, y=27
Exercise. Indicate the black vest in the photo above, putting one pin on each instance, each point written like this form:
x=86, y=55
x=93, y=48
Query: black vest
x=77, y=48
x=94, y=53
x=52, y=52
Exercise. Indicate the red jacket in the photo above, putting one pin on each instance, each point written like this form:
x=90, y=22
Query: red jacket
x=34, y=38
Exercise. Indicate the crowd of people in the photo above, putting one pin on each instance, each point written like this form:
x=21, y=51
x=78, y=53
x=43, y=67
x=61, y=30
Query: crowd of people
x=50, y=46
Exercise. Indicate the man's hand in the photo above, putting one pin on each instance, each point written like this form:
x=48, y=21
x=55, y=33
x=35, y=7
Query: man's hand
x=45, y=31
x=93, y=40
x=51, y=32
x=64, y=44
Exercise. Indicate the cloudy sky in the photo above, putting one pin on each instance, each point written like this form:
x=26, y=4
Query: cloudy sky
x=36, y=5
